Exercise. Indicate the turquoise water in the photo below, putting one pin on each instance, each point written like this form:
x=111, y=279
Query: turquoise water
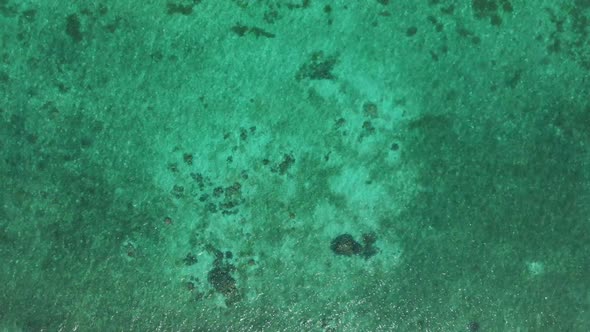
x=295, y=165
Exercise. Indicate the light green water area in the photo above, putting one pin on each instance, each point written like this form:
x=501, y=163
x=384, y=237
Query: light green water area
x=295, y=165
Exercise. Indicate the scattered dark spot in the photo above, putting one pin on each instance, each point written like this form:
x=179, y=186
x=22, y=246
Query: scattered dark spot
x=228, y=205
x=434, y=56
x=370, y=110
x=231, y=200
x=234, y=189
x=304, y=4
x=73, y=28
x=240, y=30
x=514, y=79
x=188, y=158
x=430, y=122
x=211, y=208
x=157, y=55
x=432, y=19
x=103, y=10
x=221, y=279
x=258, y=32
x=345, y=245
x=421, y=324
x=217, y=191
x=230, y=159
x=203, y=197
x=8, y=10
x=327, y=9
x=244, y=175
x=217, y=254
x=190, y=259
x=490, y=9
x=496, y=20
x=32, y=138
x=243, y=134
x=271, y=16
x=384, y=2
x=369, y=250
x=283, y=167
x=29, y=15
x=63, y=88
x=229, y=255
x=181, y=8
x=482, y=8
x=465, y=33
x=113, y=26
x=319, y=67
x=473, y=326
x=4, y=78
x=394, y=147
x=199, y=179
x=265, y=161
x=199, y=296
x=368, y=127
x=438, y=27
x=173, y=167
x=448, y=10
x=86, y=142
x=411, y=31
x=178, y=191
x=190, y=286
x=369, y=239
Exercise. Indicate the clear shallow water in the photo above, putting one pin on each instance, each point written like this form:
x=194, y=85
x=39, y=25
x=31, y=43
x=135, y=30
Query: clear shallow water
x=294, y=166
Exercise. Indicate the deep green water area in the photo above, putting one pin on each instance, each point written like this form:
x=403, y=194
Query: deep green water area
x=295, y=165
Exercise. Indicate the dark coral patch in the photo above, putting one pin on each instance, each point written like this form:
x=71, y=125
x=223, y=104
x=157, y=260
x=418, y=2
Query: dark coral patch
x=346, y=245
x=220, y=278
